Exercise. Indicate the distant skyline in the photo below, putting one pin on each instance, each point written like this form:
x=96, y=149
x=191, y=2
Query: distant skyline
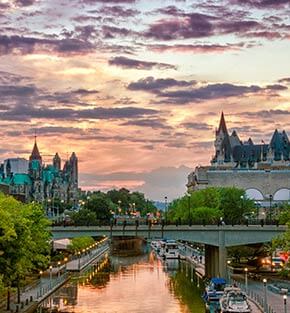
x=136, y=88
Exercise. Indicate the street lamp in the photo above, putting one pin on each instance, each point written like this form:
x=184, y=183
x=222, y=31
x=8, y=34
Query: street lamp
x=188, y=198
x=58, y=269
x=79, y=263
x=228, y=271
x=265, y=295
x=50, y=276
x=165, y=198
x=40, y=283
x=246, y=279
x=65, y=263
x=285, y=303
x=119, y=206
x=270, y=210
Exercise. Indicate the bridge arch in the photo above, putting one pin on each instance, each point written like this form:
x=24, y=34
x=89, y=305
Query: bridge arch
x=254, y=194
x=282, y=194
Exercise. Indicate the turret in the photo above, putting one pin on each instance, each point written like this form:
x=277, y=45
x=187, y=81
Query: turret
x=56, y=161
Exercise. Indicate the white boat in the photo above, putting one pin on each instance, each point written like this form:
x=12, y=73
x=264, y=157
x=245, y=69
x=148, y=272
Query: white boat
x=171, y=250
x=154, y=244
x=234, y=301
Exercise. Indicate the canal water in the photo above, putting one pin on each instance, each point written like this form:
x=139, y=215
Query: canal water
x=130, y=284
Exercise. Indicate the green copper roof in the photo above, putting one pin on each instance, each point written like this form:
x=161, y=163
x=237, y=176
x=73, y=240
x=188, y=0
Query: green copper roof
x=35, y=164
x=21, y=179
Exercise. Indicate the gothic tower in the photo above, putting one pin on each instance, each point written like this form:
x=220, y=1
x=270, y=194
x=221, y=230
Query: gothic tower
x=222, y=143
x=56, y=161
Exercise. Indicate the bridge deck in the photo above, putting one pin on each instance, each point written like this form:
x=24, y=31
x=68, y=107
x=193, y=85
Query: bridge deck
x=226, y=235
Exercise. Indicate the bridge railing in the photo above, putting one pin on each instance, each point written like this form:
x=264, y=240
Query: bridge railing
x=178, y=222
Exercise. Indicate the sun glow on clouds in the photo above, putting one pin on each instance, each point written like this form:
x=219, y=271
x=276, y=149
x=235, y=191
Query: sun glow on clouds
x=133, y=87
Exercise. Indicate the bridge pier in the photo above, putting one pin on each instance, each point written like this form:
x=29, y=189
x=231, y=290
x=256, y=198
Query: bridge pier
x=216, y=258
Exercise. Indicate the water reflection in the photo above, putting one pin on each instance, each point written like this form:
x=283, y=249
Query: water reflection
x=139, y=284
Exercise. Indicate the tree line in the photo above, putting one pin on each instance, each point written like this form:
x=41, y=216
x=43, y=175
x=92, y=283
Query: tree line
x=100, y=207
x=211, y=205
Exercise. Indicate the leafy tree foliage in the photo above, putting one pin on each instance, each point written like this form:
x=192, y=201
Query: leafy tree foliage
x=209, y=204
x=24, y=240
x=84, y=217
x=99, y=206
x=80, y=243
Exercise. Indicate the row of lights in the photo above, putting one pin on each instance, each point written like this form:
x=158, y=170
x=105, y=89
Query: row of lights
x=265, y=289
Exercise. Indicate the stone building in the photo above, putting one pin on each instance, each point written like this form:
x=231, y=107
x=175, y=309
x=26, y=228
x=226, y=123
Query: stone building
x=263, y=170
x=40, y=182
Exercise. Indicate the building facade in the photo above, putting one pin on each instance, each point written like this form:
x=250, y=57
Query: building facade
x=263, y=170
x=32, y=180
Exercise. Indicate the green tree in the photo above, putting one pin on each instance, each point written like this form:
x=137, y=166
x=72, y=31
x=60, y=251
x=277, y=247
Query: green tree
x=80, y=243
x=206, y=215
x=101, y=205
x=84, y=217
x=234, y=204
x=24, y=241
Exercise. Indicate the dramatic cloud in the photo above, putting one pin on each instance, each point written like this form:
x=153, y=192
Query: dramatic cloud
x=192, y=26
x=28, y=45
x=152, y=123
x=262, y=3
x=151, y=84
x=26, y=112
x=284, y=80
x=197, y=48
x=138, y=64
x=196, y=126
x=207, y=92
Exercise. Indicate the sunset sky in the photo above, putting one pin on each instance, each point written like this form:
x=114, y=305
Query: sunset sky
x=136, y=88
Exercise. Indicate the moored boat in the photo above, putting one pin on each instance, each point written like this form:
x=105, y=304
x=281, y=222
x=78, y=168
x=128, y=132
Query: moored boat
x=214, y=290
x=234, y=301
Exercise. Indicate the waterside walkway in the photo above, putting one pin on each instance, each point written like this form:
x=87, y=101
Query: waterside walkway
x=53, y=279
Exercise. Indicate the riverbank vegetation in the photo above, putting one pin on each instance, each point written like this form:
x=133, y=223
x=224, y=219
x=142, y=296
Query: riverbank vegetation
x=24, y=242
x=99, y=207
x=211, y=205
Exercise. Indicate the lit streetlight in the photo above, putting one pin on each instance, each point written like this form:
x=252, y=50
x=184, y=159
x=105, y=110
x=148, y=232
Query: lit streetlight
x=79, y=263
x=228, y=271
x=40, y=283
x=65, y=262
x=50, y=276
x=246, y=279
x=265, y=295
x=58, y=269
x=165, y=198
x=285, y=303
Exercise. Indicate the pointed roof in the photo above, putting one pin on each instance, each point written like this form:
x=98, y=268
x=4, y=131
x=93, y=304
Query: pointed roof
x=35, y=155
x=222, y=125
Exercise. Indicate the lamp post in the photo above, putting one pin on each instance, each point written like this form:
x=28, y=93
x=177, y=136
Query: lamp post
x=285, y=303
x=119, y=206
x=58, y=269
x=50, y=276
x=246, y=279
x=270, y=210
x=188, y=203
x=40, y=283
x=79, y=263
x=265, y=295
x=228, y=271
x=65, y=263
x=165, y=198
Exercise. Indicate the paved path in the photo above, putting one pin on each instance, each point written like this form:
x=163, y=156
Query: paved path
x=52, y=279
x=274, y=300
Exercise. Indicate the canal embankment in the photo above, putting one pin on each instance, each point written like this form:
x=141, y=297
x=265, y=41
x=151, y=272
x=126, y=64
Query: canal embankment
x=54, y=278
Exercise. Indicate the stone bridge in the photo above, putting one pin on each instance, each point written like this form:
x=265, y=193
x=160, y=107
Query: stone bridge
x=215, y=238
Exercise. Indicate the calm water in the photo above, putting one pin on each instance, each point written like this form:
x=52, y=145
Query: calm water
x=140, y=284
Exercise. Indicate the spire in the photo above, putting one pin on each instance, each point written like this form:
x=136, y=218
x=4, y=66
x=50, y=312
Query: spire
x=35, y=155
x=222, y=125
x=56, y=161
